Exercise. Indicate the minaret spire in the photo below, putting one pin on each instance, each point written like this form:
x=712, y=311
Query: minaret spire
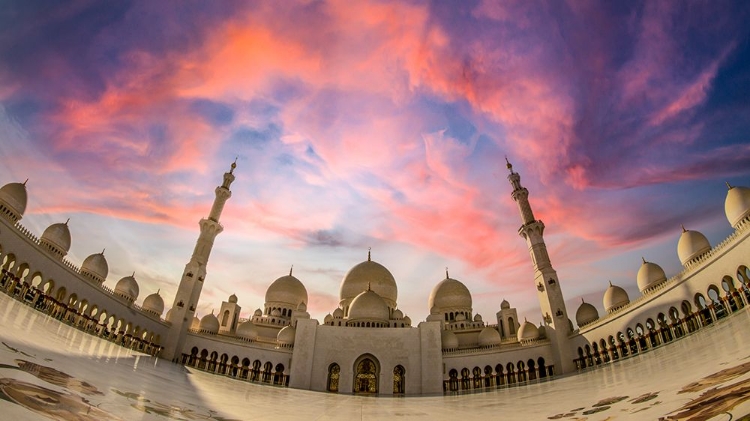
x=550, y=295
x=191, y=284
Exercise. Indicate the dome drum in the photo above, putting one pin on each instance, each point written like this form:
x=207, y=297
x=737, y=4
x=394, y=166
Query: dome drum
x=586, y=314
x=127, y=288
x=56, y=239
x=692, y=245
x=737, y=205
x=13, y=199
x=209, y=324
x=615, y=298
x=650, y=275
x=95, y=267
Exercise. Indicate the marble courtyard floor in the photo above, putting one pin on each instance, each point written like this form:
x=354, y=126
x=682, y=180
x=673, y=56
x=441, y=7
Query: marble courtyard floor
x=49, y=370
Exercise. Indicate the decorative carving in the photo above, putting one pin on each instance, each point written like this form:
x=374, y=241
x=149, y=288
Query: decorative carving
x=200, y=279
x=547, y=318
x=189, y=274
x=540, y=287
x=180, y=304
x=551, y=281
x=559, y=313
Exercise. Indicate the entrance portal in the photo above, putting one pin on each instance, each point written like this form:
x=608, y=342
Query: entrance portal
x=366, y=377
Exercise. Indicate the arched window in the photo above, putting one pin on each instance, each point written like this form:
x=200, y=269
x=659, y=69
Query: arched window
x=399, y=380
x=334, y=371
x=225, y=318
x=511, y=326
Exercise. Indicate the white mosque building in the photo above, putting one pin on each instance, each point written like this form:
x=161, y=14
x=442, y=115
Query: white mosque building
x=367, y=345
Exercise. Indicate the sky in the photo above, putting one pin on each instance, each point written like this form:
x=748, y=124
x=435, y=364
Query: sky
x=382, y=125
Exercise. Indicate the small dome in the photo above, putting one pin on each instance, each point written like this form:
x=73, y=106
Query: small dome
x=286, y=290
x=233, y=299
x=127, y=287
x=258, y=312
x=586, y=314
x=460, y=317
x=398, y=314
x=286, y=336
x=96, y=267
x=328, y=318
x=450, y=294
x=369, y=275
x=448, y=339
x=407, y=320
x=338, y=313
x=489, y=336
x=505, y=305
x=737, y=204
x=209, y=324
x=195, y=324
x=168, y=317
x=614, y=298
x=154, y=304
x=543, y=331
x=477, y=317
x=649, y=276
x=528, y=332
x=368, y=305
x=275, y=312
x=14, y=197
x=692, y=244
x=57, y=235
x=247, y=330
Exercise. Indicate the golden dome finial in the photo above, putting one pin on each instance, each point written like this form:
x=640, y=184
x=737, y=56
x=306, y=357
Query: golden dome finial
x=508, y=164
x=369, y=250
x=234, y=165
x=290, y=270
x=729, y=186
x=446, y=273
x=683, y=228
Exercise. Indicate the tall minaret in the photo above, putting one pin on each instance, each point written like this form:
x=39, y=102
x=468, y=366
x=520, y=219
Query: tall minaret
x=546, y=282
x=191, y=284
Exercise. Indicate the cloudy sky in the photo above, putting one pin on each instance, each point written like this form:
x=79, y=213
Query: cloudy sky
x=377, y=124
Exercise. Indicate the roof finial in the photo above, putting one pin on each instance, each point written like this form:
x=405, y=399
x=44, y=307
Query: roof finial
x=27, y=180
x=582, y=300
x=102, y=253
x=508, y=164
x=368, y=287
x=644, y=260
x=66, y=222
x=158, y=291
x=729, y=186
x=610, y=282
x=234, y=165
x=683, y=228
x=369, y=249
x=290, y=270
x=446, y=273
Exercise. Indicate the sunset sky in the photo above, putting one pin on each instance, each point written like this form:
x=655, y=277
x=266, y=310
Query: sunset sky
x=361, y=124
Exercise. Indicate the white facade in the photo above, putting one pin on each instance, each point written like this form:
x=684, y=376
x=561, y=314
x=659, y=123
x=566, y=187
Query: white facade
x=367, y=345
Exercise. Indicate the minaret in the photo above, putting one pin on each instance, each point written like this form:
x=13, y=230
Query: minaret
x=546, y=282
x=191, y=284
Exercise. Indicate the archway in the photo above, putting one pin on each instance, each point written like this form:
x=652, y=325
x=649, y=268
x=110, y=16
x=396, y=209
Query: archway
x=366, y=373
x=399, y=380
x=334, y=371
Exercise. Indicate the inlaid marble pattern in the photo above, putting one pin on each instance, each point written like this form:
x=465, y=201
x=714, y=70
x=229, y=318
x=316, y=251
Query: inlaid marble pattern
x=49, y=370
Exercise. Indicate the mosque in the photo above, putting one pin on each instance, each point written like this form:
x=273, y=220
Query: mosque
x=367, y=345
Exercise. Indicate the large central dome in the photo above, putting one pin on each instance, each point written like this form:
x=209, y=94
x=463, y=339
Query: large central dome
x=369, y=275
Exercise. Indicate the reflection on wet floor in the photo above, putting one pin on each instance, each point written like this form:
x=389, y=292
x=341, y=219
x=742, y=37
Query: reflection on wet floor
x=49, y=370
